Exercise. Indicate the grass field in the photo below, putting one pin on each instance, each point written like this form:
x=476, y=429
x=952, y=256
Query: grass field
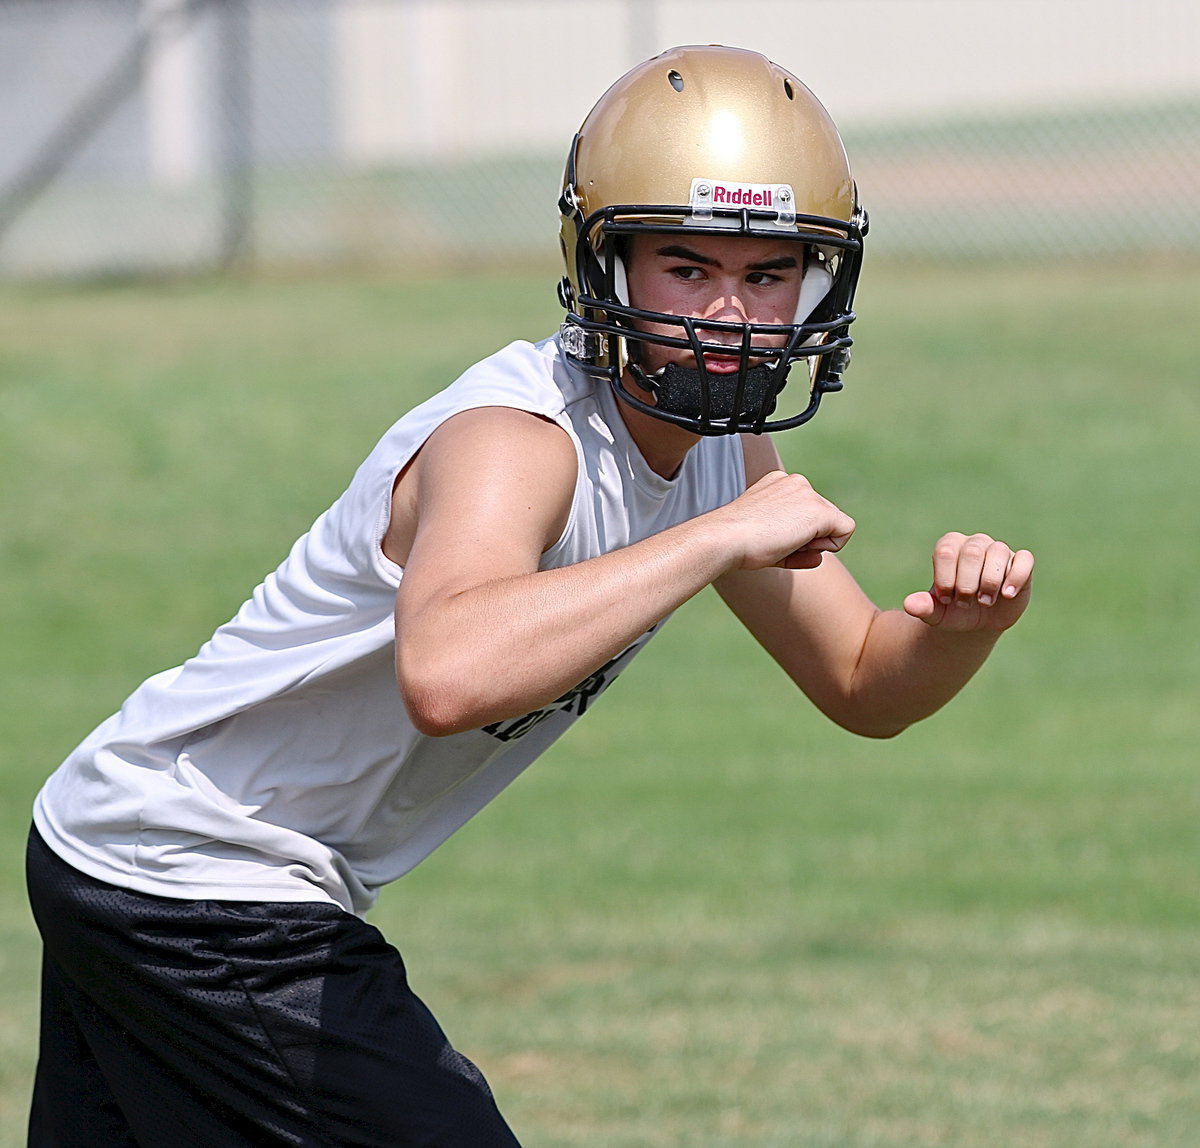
x=709, y=919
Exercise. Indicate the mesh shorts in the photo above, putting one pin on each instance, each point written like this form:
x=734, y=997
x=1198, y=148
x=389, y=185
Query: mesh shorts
x=215, y=1024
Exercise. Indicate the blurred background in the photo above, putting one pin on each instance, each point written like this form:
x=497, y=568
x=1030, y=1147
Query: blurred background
x=239, y=237
x=177, y=135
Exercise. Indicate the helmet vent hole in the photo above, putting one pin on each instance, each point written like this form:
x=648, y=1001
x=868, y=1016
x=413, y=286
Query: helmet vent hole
x=676, y=80
x=787, y=87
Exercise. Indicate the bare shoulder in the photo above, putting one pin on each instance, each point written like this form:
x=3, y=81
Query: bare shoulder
x=480, y=468
x=761, y=456
x=497, y=432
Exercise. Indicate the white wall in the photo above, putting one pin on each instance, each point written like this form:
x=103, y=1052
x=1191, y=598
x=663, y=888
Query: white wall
x=888, y=58
x=446, y=77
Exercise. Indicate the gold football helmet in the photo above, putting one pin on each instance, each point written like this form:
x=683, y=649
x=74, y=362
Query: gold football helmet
x=704, y=138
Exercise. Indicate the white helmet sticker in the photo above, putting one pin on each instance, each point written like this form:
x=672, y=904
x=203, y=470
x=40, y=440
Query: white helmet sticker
x=708, y=194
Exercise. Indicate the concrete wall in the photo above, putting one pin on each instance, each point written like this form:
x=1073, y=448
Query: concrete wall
x=523, y=73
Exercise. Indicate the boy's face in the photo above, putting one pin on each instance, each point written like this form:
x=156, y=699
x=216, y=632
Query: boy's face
x=726, y=278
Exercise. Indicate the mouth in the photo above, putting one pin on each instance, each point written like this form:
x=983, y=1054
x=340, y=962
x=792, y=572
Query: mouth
x=722, y=364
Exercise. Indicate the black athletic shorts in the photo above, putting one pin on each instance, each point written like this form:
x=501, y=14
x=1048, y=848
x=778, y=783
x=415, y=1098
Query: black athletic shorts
x=227, y=1024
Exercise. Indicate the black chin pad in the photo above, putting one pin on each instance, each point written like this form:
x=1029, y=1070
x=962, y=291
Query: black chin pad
x=677, y=391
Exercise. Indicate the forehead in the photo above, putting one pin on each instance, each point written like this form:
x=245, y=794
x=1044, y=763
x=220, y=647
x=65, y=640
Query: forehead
x=725, y=250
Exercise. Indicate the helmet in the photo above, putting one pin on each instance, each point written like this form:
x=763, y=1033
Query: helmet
x=695, y=140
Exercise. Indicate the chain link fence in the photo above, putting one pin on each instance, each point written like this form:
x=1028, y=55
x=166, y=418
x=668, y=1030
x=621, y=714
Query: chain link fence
x=148, y=136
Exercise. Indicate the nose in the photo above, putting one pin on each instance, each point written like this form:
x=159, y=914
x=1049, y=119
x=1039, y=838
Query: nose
x=727, y=306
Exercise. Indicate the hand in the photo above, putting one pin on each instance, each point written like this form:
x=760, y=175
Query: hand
x=783, y=521
x=978, y=584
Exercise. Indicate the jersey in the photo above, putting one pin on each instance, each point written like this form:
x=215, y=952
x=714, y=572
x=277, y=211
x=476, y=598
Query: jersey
x=279, y=764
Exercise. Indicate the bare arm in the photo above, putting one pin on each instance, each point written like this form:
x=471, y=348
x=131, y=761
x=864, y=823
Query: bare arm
x=875, y=671
x=482, y=633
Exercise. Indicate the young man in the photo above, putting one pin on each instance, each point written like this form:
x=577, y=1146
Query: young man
x=200, y=864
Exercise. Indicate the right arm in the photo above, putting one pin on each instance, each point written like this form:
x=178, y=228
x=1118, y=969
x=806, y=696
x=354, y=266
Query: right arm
x=483, y=634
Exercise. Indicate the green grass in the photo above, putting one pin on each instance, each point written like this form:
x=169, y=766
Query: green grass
x=708, y=918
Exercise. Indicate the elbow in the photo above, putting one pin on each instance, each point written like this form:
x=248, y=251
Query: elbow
x=443, y=696
x=437, y=705
x=878, y=732
x=877, y=727
x=432, y=720
x=869, y=715
x=435, y=717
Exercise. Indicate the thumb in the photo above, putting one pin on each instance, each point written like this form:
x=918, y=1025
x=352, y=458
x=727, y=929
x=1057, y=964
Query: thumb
x=922, y=605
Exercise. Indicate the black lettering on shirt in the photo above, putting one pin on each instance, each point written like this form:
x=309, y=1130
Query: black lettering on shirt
x=576, y=700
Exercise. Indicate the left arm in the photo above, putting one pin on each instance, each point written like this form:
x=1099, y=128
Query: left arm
x=874, y=671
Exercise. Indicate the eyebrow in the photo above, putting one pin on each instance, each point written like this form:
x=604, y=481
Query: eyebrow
x=678, y=251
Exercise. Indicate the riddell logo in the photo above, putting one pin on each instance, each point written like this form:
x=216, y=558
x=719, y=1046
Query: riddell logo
x=714, y=195
x=724, y=195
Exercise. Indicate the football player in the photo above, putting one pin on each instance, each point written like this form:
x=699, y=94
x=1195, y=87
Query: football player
x=202, y=862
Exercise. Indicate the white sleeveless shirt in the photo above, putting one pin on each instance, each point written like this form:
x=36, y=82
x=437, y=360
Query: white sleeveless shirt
x=278, y=764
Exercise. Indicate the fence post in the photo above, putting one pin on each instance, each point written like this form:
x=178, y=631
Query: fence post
x=235, y=63
x=641, y=22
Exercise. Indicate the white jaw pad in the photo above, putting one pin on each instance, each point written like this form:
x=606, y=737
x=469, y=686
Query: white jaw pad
x=620, y=281
x=815, y=286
